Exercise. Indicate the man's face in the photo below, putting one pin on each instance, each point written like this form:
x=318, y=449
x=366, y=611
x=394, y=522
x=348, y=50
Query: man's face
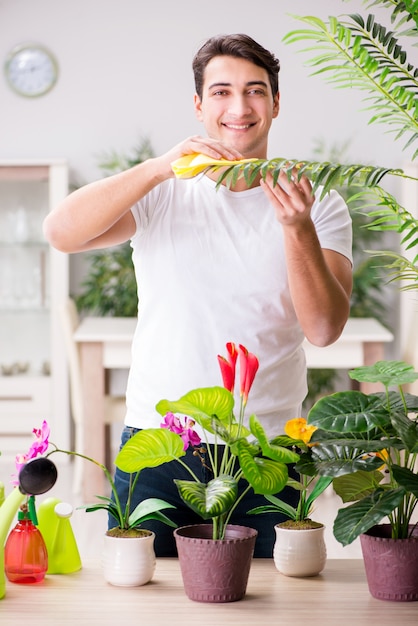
x=237, y=105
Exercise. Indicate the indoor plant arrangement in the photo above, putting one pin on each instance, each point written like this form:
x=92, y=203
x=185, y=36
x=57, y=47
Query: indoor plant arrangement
x=369, y=444
x=257, y=463
x=300, y=548
x=125, y=563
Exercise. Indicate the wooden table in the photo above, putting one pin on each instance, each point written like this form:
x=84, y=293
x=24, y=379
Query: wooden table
x=105, y=343
x=339, y=596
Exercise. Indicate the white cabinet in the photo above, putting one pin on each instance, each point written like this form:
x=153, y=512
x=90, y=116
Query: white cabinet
x=34, y=281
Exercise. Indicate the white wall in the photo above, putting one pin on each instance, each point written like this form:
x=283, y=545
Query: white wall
x=125, y=72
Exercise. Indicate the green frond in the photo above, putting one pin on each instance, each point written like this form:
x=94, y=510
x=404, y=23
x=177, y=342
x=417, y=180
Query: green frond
x=363, y=54
x=323, y=175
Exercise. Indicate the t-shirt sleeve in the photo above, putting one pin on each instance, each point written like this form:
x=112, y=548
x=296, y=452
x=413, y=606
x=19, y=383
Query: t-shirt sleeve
x=333, y=223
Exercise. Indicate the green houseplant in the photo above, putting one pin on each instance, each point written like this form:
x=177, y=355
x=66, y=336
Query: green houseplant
x=299, y=549
x=109, y=286
x=128, y=557
x=369, y=444
x=247, y=460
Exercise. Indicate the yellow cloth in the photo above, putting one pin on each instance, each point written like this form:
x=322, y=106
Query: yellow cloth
x=193, y=164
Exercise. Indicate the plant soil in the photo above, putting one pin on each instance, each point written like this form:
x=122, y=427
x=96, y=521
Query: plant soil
x=306, y=524
x=128, y=533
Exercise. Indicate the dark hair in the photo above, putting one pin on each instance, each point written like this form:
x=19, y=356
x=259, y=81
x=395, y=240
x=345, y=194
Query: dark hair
x=241, y=46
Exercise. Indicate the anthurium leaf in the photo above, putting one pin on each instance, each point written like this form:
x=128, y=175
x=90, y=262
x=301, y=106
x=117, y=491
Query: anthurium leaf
x=210, y=500
x=357, y=518
x=347, y=412
x=269, y=450
x=202, y=404
x=229, y=432
x=406, y=478
x=358, y=485
x=149, y=448
x=264, y=475
x=388, y=373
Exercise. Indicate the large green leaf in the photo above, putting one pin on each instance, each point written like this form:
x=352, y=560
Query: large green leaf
x=210, y=500
x=268, y=448
x=358, y=485
x=336, y=460
x=407, y=430
x=150, y=509
x=406, y=478
x=357, y=518
x=389, y=373
x=264, y=475
x=202, y=405
x=348, y=412
x=149, y=448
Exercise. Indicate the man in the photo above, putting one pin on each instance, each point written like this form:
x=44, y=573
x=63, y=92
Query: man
x=263, y=267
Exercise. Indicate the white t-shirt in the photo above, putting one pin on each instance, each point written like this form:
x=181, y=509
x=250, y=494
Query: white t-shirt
x=210, y=267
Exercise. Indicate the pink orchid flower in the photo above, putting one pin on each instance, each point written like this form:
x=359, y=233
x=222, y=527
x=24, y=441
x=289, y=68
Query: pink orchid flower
x=38, y=447
x=186, y=431
x=248, y=364
x=227, y=366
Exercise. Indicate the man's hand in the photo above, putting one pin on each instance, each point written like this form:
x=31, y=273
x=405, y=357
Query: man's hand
x=292, y=199
x=197, y=145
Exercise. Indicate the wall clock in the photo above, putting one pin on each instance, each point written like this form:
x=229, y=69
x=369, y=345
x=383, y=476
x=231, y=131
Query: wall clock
x=31, y=70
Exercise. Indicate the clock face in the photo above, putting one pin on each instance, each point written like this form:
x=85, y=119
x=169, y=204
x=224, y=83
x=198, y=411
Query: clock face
x=31, y=70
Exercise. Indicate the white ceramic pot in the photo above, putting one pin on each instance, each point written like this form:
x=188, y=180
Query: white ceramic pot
x=128, y=561
x=299, y=552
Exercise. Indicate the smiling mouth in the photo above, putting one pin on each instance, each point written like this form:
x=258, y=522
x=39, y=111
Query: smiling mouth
x=238, y=126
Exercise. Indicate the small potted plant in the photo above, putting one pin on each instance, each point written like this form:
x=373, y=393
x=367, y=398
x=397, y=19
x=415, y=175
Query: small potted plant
x=369, y=444
x=247, y=457
x=125, y=563
x=300, y=548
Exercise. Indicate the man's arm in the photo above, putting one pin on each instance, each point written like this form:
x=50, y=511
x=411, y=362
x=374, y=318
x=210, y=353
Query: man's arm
x=320, y=280
x=98, y=214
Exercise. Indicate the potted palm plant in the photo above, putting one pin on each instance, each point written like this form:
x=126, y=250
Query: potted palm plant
x=299, y=549
x=214, y=569
x=128, y=557
x=369, y=444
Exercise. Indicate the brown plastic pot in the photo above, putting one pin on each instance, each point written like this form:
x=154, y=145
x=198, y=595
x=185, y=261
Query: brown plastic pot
x=391, y=564
x=215, y=570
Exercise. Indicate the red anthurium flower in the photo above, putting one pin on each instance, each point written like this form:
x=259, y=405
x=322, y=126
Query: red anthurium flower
x=248, y=364
x=227, y=366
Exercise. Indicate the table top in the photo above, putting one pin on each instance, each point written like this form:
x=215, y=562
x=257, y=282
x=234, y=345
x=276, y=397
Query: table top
x=116, y=329
x=339, y=595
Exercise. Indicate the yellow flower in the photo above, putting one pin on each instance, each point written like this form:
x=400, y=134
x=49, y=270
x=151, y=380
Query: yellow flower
x=192, y=164
x=297, y=428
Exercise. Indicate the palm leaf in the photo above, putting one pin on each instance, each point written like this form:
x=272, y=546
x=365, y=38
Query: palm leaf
x=362, y=54
x=323, y=175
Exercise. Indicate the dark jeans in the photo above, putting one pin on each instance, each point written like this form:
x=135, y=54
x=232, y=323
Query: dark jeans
x=158, y=483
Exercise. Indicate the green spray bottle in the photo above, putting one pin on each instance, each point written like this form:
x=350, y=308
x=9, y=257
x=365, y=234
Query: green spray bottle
x=55, y=525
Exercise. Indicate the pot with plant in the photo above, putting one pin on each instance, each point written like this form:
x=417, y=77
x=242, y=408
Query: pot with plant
x=215, y=557
x=300, y=548
x=369, y=444
x=128, y=557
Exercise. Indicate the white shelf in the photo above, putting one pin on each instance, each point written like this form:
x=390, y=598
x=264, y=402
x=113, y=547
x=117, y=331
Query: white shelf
x=34, y=281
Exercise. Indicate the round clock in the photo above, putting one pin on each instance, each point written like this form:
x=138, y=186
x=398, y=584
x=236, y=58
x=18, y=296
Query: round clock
x=31, y=70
